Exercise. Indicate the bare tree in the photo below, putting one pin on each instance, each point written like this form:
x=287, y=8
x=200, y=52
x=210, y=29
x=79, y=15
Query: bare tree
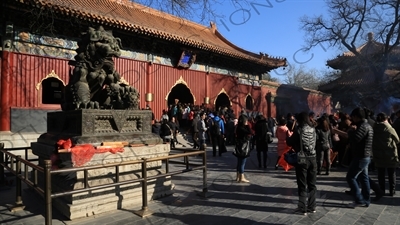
x=347, y=25
x=268, y=77
x=328, y=76
x=195, y=10
x=300, y=76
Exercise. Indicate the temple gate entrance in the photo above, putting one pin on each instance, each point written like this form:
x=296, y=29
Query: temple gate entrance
x=182, y=93
x=249, y=103
x=221, y=101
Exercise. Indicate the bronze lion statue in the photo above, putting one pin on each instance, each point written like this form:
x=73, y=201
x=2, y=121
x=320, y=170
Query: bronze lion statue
x=94, y=82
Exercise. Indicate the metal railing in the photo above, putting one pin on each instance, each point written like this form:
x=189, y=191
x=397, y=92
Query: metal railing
x=14, y=162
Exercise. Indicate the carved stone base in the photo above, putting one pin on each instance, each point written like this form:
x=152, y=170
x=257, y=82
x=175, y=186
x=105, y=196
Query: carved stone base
x=112, y=198
x=94, y=127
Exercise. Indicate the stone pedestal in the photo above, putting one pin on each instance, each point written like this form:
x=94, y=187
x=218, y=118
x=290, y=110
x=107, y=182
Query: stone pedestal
x=94, y=127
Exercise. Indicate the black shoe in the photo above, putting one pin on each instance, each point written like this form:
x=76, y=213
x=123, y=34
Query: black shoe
x=353, y=205
x=318, y=173
x=299, y=211
x=327, y=173
x=276, y=167
x=378, y=195
x=311, y=211
x=348, y=192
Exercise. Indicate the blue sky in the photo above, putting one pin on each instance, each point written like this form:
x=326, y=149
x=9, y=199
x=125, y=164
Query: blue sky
x=274, y=29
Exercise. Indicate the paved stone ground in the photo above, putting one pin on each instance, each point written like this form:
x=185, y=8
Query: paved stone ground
x=270, y=198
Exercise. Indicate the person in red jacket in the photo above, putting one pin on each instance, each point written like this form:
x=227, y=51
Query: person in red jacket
x=282, y=132
x=251, y=124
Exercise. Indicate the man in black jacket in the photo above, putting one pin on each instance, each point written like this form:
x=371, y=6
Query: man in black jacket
x=195, y=131
x=261, y=136
x=360, y=139
x=166, y=132
x=175, y=130
x=156, y=127
x=304, y=140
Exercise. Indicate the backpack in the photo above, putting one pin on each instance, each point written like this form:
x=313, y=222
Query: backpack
x=215, y=128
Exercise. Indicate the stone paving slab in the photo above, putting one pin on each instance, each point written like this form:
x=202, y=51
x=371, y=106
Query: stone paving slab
x=270, y=198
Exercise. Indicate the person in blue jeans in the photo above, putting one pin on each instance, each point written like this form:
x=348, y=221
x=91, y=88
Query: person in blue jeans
x=360, y=139
x=243, y=134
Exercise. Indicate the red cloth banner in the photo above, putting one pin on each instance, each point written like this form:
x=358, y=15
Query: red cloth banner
x=81, y=154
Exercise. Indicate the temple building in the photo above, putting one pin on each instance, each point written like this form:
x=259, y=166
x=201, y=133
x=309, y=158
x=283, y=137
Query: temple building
x=166, y=58
x=360, y=86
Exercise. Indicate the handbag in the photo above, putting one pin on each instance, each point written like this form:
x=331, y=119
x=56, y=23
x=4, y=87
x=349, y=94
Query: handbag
x=301, y=158
x=291, y=157
x=242, y=149
x=296, y=158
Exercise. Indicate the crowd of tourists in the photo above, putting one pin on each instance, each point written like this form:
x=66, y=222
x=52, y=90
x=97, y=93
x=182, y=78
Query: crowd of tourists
x=186, y=117
x=359, y=142
x=219, y=129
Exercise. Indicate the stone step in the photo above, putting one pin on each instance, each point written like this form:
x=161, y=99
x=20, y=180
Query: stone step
x=19, y=139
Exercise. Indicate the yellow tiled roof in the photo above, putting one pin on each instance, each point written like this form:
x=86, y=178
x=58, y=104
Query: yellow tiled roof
x=133, y=17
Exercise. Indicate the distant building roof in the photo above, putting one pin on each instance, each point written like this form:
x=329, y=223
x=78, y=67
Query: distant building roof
x=358, y=77
x=133, y=17
x=364, y=82
x=368, y=49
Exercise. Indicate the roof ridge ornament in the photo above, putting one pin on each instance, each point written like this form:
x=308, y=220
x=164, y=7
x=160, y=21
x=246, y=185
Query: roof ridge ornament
x=213, y=27
x=124, y=2
x=370, y=36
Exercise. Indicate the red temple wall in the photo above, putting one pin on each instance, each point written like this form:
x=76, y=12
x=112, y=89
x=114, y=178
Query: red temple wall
x=28, y=70
x=292, y=99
